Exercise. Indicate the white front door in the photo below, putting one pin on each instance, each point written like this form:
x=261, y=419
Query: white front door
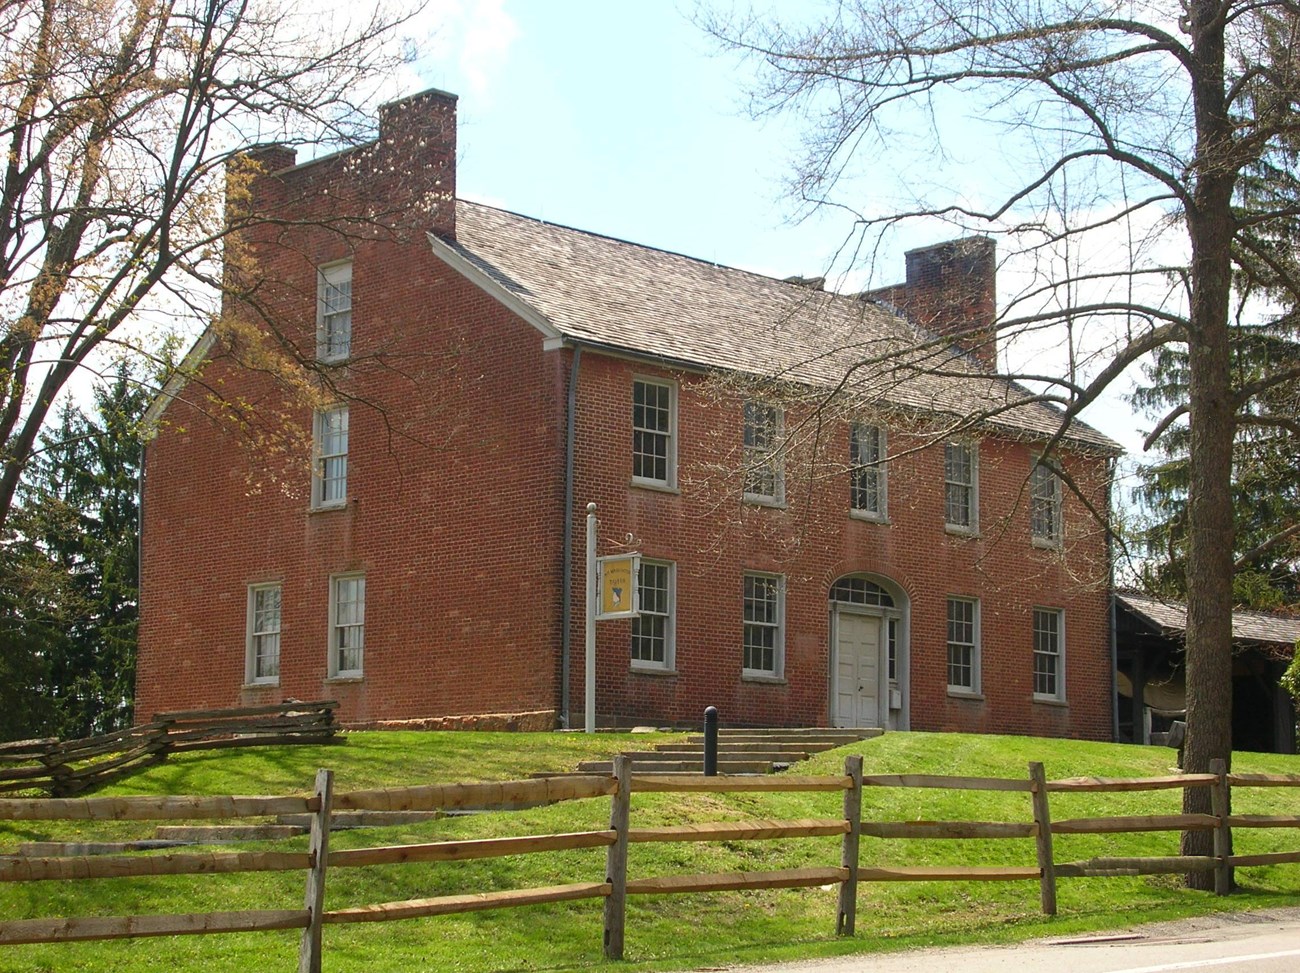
x=858, y=669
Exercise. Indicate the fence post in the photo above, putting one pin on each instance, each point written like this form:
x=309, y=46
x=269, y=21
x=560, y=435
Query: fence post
x=1220, y=806
x=309, y=951
x=1043, y=818
x=620, y=806
x=849, y=856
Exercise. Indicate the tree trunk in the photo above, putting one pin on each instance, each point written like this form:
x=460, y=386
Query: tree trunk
x=1212, y=426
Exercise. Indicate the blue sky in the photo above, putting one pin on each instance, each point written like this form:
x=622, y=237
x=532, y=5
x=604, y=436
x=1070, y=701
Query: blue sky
x=622, y=117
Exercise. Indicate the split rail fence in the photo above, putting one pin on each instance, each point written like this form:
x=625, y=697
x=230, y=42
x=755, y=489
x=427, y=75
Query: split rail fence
x=66, y=767
x=615, y=885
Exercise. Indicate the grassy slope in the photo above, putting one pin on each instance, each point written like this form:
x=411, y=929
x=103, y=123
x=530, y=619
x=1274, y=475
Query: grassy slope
x=662, y=932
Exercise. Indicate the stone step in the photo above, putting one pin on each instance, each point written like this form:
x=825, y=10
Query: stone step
x=743, y=753
x=679, y=767
x=813, y=744
x=349, y=820
x=60, y=849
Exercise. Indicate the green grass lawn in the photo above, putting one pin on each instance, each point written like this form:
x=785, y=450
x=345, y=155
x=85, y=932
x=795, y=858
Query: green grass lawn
x=663, y=932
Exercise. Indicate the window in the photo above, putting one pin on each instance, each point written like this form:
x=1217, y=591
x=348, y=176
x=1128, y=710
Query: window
x=963, y=646
x=334, y=313
x=653, y=448
x=330, y=478
x=860, y=591
x=891, y=636
x=764, y=636
x=263, y=637
x=347, y=624
x=652, y=630
x=960, y=486
x=867, y=471
x=1049, y=644
x=1045, y=506
x=764, y=481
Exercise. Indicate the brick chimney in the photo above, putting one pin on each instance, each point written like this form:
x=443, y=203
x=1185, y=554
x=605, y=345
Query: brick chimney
x=417, y=137
x=951, y=289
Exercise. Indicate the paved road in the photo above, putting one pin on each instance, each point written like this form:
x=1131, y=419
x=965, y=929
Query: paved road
x=1255, y=942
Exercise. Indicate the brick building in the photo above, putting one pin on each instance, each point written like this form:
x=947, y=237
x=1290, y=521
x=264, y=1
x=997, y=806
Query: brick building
x=839, y=508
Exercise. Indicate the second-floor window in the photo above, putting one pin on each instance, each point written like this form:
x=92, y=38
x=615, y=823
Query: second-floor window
x=867, y=470
x=764, y=481
x=652, y=432
x=1044, y=507
x=960, y=486
x=330, y=476
x=334, y=313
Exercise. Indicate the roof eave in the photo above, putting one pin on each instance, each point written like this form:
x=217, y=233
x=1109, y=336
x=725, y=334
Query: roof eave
x=454, y=258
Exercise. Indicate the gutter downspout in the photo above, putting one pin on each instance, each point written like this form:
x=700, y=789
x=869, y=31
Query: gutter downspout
x=566, y=584
x=1114, y=642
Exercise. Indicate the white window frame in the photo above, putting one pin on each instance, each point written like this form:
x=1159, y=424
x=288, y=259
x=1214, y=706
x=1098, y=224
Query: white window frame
x=1040, y=476
x=777, y=626
x=876, y=469
x=972, y=486
x=669, y=618
x=975, y=688
x=336, y=627
x=252, y=635
x=761, y=458
x=670, y=434
x=330, y=280
x=1059, y=654
x=321, y=478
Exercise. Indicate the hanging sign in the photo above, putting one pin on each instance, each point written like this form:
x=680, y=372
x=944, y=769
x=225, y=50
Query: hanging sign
x=618, y=575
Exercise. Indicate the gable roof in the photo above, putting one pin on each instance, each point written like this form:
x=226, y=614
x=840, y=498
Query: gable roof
x=583, y=288
x=1249, y=626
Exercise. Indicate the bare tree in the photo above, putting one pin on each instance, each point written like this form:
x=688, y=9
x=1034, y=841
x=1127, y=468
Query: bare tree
x=119, y=122
x=1158, y=112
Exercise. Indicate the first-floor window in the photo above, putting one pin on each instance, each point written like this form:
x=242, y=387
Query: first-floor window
x=347, y=624
x=652, y=630
x=763, y=638
x=263, y=633
x=1049, y=646
x=963, y=645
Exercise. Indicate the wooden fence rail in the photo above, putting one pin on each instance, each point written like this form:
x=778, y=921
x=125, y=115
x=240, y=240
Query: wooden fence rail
x=616, y=884
x=65, y=767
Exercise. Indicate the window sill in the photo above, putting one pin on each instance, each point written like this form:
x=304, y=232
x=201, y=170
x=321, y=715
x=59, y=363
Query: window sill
x=269, y=684
x=343, y=680
x=648, y=670
x=655, y=486
x=759, y=500
x=868, y=517
x=762, y=679
x=956, y=530
x=1051, y=701
x=324, y=508
x=1045, y=543
x=965, y=694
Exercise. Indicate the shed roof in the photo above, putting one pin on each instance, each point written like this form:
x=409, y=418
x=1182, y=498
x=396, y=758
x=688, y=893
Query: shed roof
x=1249, y=626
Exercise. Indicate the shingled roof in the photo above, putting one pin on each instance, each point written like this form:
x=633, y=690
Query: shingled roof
x=583, y=288
x=1170, y=617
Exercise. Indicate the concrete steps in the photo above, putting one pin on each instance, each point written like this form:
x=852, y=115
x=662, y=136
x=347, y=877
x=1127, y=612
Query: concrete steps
x=740, y=751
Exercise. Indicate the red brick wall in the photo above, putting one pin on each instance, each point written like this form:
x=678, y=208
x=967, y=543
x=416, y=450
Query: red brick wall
x=713, y=537
x=454, y=488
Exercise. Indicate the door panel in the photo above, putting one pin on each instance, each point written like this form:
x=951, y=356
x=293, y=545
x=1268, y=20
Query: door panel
x=858, y=668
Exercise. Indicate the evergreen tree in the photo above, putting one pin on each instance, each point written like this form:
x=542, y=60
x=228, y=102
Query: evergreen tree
x=69, y=615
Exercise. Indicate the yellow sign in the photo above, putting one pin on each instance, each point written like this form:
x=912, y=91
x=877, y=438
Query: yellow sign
x=618, y=586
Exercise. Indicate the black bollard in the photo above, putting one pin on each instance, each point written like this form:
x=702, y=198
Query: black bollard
x=711, y=741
